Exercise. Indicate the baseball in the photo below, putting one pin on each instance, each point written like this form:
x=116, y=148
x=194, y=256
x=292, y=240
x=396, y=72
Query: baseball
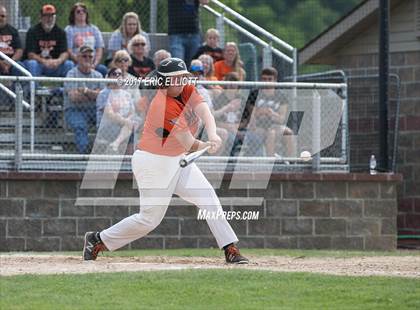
x=305, y=155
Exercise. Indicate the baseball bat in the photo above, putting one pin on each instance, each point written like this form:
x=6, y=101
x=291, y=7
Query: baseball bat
x=192, y=157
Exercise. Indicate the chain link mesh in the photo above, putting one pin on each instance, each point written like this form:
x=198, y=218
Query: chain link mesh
x=249, y=129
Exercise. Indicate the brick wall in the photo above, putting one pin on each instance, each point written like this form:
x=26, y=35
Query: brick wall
x=363, y=127
x=307, y=211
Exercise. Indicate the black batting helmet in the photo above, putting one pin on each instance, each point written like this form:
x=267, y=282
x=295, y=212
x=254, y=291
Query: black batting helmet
x=172, y=66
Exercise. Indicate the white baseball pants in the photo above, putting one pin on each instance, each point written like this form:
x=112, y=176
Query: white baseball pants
x=158, y=177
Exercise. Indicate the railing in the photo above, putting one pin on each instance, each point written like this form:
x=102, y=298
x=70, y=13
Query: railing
x=32, y=93
x=268, y=46
x=310, y=97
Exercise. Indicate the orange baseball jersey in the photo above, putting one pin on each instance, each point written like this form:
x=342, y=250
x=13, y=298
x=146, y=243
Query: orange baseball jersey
x=165, y=117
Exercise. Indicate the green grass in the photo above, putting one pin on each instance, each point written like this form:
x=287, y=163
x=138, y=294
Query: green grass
x=257, y=252
x=207, y=289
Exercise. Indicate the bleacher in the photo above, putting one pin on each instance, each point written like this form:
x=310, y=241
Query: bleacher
x=51, y=133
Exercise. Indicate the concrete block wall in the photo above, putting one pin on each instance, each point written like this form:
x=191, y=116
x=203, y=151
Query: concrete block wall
x=364, y=127
x=305, y=211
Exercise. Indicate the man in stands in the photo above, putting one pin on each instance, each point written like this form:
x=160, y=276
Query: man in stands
x=9, y=44
x=270, y=113
x=80, y=98
x=184, y=28
x=46, y=46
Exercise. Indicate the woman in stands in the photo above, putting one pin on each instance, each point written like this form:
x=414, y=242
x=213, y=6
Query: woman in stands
x=160, y=55
x=122, y=61
x=81, y=33
x=208, y=74
x=130, y=26
x=231, y=62
x=115, y=117
x=141, y=65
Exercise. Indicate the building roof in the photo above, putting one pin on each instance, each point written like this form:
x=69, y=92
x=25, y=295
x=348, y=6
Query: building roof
x=341, y=32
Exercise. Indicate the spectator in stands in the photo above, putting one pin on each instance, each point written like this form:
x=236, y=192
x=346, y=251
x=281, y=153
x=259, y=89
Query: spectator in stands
x=80, y=32
x=197, y=70
x=231, y=62
x=211, y=46
x=149, y=92
x=160, y=55
x=123, y=61
x=115, y=113
x=10, y=44
x=130, y=26
x=141, y=65
x=270, y=113
x=46, y=46
x=208, y=67
x=234, y=113
x=183, y=28
x=80, y=98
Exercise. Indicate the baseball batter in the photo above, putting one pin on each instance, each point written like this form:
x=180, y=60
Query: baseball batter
x=172, y=121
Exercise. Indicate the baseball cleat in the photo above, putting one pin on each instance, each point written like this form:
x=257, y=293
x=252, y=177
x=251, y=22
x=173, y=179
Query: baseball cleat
x=92, y=246
x=233, y=256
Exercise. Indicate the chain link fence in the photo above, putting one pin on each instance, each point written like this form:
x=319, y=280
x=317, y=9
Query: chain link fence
x=276, y=122
x=364, y=120
x=254, y=122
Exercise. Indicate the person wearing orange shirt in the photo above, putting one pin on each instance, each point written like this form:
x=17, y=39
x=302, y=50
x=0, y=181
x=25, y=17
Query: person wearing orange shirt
x=231, y=62
x=173, y=118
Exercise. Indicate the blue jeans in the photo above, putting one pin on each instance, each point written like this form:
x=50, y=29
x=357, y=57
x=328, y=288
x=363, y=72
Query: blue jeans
x=38, y=69
x=184, y=46
x=13, y=71
x=79, y=120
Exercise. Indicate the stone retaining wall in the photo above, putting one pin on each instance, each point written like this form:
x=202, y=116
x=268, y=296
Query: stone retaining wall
x=305, y=211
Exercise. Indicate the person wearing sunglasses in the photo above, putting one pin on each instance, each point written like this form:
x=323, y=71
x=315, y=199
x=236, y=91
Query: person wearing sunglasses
x=81, y=32
x=10, y=44
x=138, y=48
x=123, y=61
x=46, y=46
x=130, y=26
x=115, y=116
x=80, y=99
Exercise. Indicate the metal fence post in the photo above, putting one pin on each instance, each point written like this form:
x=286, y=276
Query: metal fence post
x=316, y=130
x=220, y=26
x=18, y=126
x=345, y=127
x=32, y=102
x=268, y=56
x=153, y=16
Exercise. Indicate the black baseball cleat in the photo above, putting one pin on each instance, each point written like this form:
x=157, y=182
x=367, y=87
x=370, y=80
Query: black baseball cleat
x=93, y=244
x=233, y=256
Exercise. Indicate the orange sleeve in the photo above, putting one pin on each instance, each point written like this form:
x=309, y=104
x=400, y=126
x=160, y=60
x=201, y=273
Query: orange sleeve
x=218, y=70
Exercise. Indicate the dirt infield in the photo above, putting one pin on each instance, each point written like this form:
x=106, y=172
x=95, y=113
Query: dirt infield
x=401, y=266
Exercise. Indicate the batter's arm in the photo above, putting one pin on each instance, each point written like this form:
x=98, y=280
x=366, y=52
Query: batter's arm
x=188, y=141
x=203, y=111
